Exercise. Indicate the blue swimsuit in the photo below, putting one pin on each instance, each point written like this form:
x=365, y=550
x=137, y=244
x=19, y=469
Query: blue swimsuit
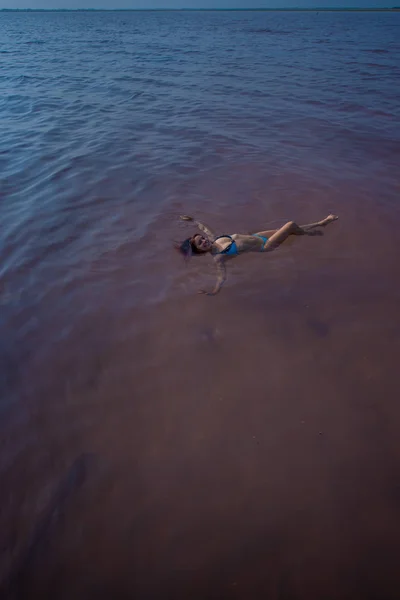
x=232, y=250
x=264, y=239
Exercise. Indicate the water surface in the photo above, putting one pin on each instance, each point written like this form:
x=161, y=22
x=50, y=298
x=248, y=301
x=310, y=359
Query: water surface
x=243, y=446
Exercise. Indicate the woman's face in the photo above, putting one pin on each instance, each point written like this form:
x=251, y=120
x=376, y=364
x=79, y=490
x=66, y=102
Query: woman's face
x=202, y=243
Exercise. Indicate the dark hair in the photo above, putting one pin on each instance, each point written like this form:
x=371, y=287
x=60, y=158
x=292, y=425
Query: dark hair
x=188, y=247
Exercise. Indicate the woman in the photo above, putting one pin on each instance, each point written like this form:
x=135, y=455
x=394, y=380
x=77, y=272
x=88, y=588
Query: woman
x=225, y=247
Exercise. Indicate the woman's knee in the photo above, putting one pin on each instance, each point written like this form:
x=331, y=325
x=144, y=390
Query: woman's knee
x=294, y=229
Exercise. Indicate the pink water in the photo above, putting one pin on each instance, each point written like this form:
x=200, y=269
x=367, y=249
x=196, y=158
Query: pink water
x=159, y=444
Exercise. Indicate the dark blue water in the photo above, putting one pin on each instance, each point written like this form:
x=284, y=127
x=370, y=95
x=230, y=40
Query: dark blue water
x=243, y=446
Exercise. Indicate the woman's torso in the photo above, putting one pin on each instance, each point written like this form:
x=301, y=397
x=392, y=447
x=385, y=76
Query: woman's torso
x=237, y=243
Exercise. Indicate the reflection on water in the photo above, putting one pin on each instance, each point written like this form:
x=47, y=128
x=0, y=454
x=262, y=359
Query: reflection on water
x=155, y=443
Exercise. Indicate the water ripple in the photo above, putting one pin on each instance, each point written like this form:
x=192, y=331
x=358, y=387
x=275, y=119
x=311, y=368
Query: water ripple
x=114, y=123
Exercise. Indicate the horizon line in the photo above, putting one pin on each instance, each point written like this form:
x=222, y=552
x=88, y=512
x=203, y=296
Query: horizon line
x=282, y=9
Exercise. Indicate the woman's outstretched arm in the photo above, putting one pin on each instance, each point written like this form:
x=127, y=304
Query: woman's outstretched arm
x=209, y=232
x=221, y=277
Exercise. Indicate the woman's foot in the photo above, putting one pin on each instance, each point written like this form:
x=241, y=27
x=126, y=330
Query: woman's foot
x=329, y=219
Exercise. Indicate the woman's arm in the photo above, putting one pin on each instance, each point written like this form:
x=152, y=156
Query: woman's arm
x=221, y=277
x=209, y=233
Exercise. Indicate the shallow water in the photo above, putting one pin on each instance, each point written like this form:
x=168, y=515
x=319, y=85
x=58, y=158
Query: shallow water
x=242, y=446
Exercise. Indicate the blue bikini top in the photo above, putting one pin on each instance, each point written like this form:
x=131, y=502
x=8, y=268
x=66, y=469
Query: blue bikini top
x=230, y=250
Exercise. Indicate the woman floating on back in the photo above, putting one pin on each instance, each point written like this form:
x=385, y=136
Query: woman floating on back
x=225, y=247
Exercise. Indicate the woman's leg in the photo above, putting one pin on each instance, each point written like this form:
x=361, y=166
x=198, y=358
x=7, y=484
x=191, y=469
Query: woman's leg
x=323, y=223
x=300, y=230
x=292, y=228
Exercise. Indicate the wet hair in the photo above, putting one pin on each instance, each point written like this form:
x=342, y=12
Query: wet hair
x=188, y=247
